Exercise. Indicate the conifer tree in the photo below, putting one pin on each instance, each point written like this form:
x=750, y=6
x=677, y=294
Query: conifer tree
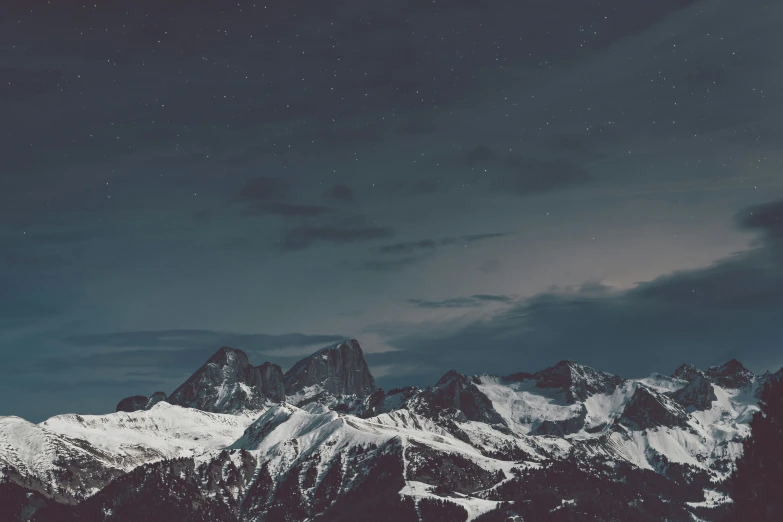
x=757, y=483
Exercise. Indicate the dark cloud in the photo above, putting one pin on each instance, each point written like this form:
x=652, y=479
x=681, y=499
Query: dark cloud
x=418, y=187
x=390, y=265
x=462, y=302
x=431, y=244
x=480, y=154
x=202, y=216
x=706, y=316
x=766, y=217
x=35, y=262
x=165, y=354
x=424, y=186
x=304, y=237
x=411, y=246
x=264, y=189
x=418, y=125
x=21, y=83
x=342, y=193
x=277, y=208
x=533, y=176
x=188, y=338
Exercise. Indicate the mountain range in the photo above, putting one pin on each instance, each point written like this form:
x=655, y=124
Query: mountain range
x=321, y=442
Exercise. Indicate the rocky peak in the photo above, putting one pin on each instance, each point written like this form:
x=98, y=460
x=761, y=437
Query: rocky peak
x=131, y=404
x=337, y=370
x=453, y=376
x=140, y=402
x=272, y=381
x=578, y=381
x=687, y=372
x=457, y=392
x=731, y=374
x=697, y=395
x=228, y=383
x=649, y=409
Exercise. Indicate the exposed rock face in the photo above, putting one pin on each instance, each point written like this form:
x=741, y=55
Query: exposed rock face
x=228, y=383
x=459, y=392
x=157, y=397
x=687, y=372
x=272, y=381
x=578, y=381
x=697, y=395
x=131, y=404
x=649, y=409
x=338, y=370
x=731, y=375
x=561, y=428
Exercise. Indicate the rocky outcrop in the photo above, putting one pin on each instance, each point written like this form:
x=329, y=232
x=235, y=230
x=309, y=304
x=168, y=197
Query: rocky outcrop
x=455, y=391
x=578, y=381
x=731, y=375
x=228, y=383
x=157, y=397
x=272, y=381
x=131, y=404
x=687, y=372
x=697, y=395
x=338, y=370
x=649, y=409
x=561, y=428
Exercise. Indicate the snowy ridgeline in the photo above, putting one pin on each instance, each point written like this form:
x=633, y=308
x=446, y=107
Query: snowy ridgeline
x=466, y=445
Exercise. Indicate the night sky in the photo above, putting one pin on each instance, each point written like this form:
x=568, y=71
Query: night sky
x=490, y=186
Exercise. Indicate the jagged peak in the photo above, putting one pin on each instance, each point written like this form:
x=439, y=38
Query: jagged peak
x=345, y=344
x=731, y=374
x=226, y=354
x=687, y=372
x=337, y=369
x=579, y=381
x=449, y=376
x=649, y=409
x=731, y=367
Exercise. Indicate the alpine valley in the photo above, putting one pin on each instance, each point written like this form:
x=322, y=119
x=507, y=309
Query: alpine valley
x=320, y=442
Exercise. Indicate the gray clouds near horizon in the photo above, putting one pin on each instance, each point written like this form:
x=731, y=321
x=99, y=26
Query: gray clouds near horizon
x=479, y=185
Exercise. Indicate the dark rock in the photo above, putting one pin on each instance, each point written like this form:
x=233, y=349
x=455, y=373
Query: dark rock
x=272, y=381
x=460, y=392
x=228, y=383
x=339, y=369
x=578, y=381
x=687, y=372
x=649, y=409
x=731, y=375
x=131, y=404
x=561, y=428
x=157, y=397
x=696, y=395
x=478, y=155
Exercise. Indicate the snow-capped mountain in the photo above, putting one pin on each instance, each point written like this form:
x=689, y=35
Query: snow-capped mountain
x=322, y=442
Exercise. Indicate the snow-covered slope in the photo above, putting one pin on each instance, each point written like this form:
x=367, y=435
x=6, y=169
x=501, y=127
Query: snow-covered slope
x=77, y=455
x=251, y=439
x=163, y=432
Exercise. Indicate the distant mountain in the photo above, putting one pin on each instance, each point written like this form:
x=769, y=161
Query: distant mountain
x=323, y=443
x=226, y=383
x=336, y=374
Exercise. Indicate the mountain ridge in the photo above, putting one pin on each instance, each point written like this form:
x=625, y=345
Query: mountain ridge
x=308, y=441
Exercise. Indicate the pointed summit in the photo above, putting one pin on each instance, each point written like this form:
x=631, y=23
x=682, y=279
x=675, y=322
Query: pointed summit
x=649, y=409
x=228, y=383
x=731, y=374
x=579, y=381
x=336, y=370
x=697, y=395
x=458, y=391
x=687, y=372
